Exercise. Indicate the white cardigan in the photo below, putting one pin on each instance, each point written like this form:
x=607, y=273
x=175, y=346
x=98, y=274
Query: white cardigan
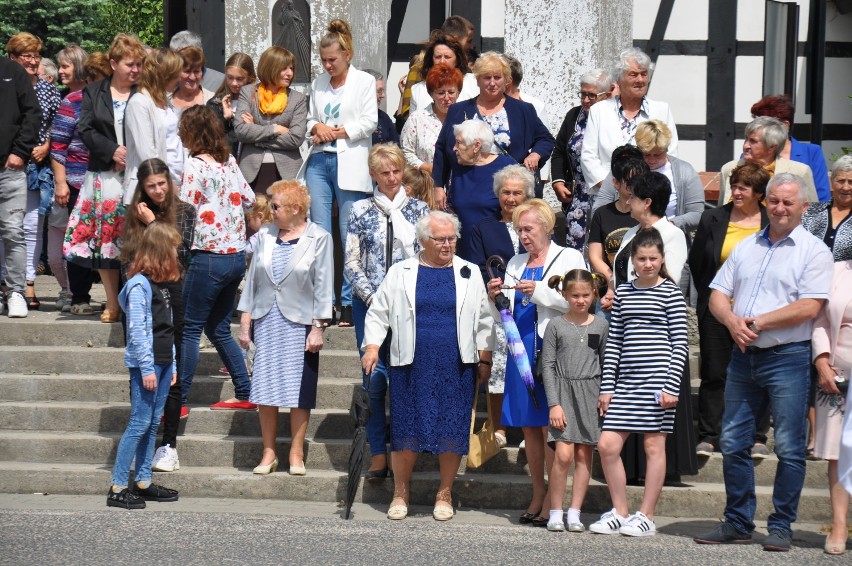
x=304, y=292
x=393, y=308
x=145, y=138
x=359, y=114
x=549, y=302
x=674, y=244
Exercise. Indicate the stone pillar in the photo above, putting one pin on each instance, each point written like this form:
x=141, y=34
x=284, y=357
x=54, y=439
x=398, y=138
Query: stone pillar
x=247, y=27
x=369, y=22
x=557, y=41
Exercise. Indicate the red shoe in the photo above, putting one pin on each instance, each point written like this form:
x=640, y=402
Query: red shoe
x=233, y=406
x=184, y=414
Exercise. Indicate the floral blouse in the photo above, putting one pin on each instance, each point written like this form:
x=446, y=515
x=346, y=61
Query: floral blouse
x=364, y=263
x=48, y=99
x=220, y=195
x=499, y=122
x=419, y=136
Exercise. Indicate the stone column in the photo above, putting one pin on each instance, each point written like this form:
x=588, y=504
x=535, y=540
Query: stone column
x=557, y=41
x=247, y=27
x=369, y=22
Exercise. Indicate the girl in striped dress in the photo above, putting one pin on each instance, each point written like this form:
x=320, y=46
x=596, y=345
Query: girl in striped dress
x=645, y=357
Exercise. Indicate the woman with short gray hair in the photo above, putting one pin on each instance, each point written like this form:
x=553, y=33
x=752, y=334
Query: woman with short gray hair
x=765, y=138
x=568, y=181
x=437, y=309
x=613, y=122
x=471, y=194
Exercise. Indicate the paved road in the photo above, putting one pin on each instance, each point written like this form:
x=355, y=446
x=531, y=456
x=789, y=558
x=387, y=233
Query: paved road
x=58, y=529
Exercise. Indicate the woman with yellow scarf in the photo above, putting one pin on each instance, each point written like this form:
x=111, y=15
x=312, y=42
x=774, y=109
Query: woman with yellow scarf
x=270, y=122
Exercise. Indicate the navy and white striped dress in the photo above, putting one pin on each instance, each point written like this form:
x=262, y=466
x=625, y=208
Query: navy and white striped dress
x=284, y=374
x=646, y=353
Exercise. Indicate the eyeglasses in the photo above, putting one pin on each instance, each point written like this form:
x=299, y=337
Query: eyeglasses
x=276, y=207
x=442, y=93
x=444, y=241
x=590, y=95
x=29, y=58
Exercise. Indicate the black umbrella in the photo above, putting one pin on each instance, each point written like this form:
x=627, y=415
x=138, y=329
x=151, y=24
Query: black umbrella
x=360, y=412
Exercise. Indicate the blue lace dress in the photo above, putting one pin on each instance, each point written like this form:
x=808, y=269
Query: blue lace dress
x=518, y=407
x=577, y=213
x=431, y=399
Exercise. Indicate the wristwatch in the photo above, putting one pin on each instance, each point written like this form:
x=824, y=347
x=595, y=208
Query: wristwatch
x=753, y=327
x=318, y=324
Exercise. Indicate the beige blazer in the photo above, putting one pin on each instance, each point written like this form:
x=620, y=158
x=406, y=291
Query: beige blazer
x=549, y=302
x=393, y=309
x=259, y=137
x=304, y=291
x=781, y=166
x=827, y=324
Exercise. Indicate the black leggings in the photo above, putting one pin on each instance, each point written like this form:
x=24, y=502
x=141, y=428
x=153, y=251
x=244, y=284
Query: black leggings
x=173, y=405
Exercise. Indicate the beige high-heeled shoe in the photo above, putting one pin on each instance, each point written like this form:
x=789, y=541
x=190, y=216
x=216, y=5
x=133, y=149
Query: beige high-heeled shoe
x=834, y=548
x=265, y=470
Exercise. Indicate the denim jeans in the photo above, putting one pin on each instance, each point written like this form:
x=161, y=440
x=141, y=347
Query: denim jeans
x=146, y=408
x=377, y=386
x=13, y=201
x=321, y=178
x=779, y=376
x=208, y=294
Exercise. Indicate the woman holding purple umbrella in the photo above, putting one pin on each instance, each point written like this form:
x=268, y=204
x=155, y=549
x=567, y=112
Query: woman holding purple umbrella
x=533, y=304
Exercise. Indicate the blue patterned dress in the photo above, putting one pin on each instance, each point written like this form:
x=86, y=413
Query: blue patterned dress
x=518, y=407
x=577, y=213
x=284, y=375
x=431, y=399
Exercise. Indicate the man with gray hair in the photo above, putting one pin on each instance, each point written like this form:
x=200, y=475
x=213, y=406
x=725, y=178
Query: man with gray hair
x=765, y=138
x=613, y=122
x=211, y=79
x=767, y=294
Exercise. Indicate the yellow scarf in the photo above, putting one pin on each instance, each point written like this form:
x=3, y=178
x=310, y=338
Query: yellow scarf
x=270, y=103
x=770, y=169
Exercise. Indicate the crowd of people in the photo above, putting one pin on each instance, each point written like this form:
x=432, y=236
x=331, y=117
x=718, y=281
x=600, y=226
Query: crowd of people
x=182, y=188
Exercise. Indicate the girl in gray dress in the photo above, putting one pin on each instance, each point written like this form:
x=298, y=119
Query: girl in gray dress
x=572, y=357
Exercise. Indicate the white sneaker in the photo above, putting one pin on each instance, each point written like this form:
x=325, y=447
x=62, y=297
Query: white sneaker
x=608, y=524
x=17, y=305
x=165, y=459
x=556, y=526
x=638, y=525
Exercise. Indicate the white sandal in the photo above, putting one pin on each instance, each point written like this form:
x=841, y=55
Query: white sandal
x=500, y=438
x=398, y=512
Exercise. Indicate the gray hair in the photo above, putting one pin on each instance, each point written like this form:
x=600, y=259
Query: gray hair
x=50, y=68
x=516, y=69
x=185, y=38
x=598, y=78
x=375, y=74
x=771, y=131
x=518, y=172
x=622, y=63
x=474, y=130
x=842, y=165
x=423, y=228
x=76, y=56
x=788, y=179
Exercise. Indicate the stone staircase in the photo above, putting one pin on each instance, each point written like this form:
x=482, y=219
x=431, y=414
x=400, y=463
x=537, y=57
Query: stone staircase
x=64, y=405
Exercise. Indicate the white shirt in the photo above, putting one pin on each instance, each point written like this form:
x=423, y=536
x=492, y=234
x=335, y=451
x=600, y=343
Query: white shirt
x=604, y=133
x=763, y=277
x=174, y=147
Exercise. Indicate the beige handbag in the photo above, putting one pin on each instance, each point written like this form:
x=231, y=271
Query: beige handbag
x=483, y=444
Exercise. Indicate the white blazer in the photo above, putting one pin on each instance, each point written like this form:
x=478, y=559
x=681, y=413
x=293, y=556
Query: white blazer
x=359, y=114
x=393, y=308
x=304, y=292
x=674, y=244
x=549, y=302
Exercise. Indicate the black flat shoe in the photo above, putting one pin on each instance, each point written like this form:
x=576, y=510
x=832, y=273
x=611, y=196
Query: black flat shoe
x=345, y=320
x=376, y=475
x=527, y=518
x=156, y=492
x=540, y=521
x=124, y=499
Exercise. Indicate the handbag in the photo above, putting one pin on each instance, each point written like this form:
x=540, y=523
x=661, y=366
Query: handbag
x=483, y=444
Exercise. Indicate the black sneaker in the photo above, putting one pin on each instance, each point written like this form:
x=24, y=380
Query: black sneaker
x=156, y=492
x=724, y=533
x=125, y=499
x=778, y=541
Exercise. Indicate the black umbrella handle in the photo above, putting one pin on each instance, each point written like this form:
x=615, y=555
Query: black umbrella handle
x=492, y=262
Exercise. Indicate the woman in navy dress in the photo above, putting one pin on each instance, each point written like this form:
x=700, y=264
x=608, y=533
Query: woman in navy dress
x=431, y=383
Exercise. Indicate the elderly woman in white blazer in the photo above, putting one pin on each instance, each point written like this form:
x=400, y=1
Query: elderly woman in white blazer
x=437, y=309
x=342, y=116
x=287, y=297
x=533, y=304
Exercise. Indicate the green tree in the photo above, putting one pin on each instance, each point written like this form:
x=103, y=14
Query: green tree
x=141, y=17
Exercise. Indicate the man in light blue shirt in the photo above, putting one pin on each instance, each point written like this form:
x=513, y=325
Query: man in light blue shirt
x=767, y=294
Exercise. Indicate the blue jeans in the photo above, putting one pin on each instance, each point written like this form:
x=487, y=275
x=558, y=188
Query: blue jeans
x=779, y=376
x=211, y=285
x=146, y=408
x=321, y=178
x=377, y=386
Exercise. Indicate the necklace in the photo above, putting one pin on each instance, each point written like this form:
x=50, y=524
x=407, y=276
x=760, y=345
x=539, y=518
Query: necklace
x=426, y=263
x=580, y=335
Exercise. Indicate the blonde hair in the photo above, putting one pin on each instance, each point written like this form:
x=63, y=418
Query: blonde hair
x=261, y=208
x=338, y=33
x=160, y=67
x=492, y=62
x=544, y=214
x=385, y=152
x=653, y=134
x=562, y=283
x=419, y=184
x=126, y=45
x=293, y=193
